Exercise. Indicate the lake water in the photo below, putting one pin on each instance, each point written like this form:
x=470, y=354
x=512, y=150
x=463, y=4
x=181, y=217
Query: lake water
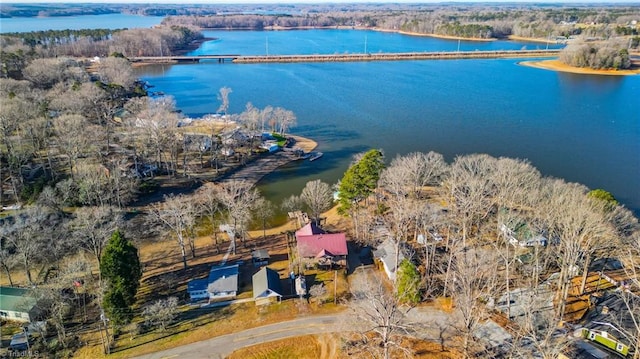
x=581, y=128
x=107, y=21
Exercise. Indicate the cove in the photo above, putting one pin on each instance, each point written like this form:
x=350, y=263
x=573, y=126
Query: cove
x=581, y=128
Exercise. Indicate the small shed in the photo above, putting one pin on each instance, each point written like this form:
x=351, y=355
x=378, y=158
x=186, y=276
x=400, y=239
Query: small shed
x=301, y=286
x=266, y=286
x=260, y=257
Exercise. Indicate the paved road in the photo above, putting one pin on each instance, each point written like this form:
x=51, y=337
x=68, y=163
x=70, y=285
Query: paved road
x=222, y=346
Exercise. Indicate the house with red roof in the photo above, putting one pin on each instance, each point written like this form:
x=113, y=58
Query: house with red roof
x=323, y=248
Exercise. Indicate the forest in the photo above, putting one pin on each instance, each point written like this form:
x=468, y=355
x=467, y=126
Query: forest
x=479, y=21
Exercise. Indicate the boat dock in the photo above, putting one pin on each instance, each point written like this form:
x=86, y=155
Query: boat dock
x=401, y=56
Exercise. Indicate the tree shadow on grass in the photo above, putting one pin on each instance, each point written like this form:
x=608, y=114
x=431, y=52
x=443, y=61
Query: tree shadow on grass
x=186, y=321
x=164, y=284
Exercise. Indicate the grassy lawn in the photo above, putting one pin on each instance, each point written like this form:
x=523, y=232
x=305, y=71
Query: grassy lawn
x=164, y=276
x=280, y=140
x=303, y=347
x=196, y=324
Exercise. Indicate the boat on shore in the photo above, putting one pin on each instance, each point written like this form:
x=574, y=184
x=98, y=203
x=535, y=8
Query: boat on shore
x=315, y=156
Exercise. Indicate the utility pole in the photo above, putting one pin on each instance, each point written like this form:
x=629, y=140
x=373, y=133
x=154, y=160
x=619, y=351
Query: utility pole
x=335, y=287
x=106, y=329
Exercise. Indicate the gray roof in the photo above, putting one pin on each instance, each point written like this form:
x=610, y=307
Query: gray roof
x=386, y=252
x=223, y=279
x=266, y=279
x=612, y=311
x=260, y=254
x=16, y=299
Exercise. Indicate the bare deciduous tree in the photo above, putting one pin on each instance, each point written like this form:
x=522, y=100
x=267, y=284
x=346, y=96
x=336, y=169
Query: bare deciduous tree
x=161, y=313
x=33, y=237
x=473, y=284
x=318, y=196
x=223, y=97
x=93, y=226
x=378, y=320
x=210, y=206
x=238, y=198
x=116, y=71
x=177, y=215
x=72, y=137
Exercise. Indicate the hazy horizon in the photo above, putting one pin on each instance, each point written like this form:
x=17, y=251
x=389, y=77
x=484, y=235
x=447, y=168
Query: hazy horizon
x=310, y=2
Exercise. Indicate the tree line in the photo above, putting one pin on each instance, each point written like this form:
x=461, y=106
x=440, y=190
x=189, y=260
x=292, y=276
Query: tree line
x=19, y=48
x=468, y=21
x=475, y=201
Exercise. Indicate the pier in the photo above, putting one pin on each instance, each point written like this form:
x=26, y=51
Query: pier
x=402, y=56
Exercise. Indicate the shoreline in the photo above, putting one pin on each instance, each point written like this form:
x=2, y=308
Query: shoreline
x=530, y=39
x=556, y=65
x=252, y=171
x=260, y=167
x=344, y=27
x=194, y=45
x=445, y=37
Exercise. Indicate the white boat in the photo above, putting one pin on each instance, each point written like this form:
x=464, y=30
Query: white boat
x=315, y=156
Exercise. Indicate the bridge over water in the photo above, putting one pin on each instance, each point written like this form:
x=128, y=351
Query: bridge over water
x=402, y=56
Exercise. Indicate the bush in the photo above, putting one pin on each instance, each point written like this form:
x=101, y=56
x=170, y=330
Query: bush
x=161, y=313
x=408, y=282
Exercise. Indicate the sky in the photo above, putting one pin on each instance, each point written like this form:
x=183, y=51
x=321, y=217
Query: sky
x=311, y=1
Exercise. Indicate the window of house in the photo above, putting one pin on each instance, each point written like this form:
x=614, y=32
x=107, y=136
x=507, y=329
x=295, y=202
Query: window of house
x=3, y=314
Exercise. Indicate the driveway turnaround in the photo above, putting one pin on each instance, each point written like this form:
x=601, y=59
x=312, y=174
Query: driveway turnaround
x=222, y=346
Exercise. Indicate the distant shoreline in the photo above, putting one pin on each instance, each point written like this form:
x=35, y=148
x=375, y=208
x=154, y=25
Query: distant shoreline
x=341, y=27
x=556, y=65
x=530, y=39
x=446, y=37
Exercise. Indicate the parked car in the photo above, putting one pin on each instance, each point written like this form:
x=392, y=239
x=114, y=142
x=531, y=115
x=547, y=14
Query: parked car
x=19, y=342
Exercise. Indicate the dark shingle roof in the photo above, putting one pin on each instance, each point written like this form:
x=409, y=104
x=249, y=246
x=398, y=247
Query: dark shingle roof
x=266, y=279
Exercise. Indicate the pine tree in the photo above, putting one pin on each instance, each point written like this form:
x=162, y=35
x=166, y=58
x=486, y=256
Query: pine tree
x=120, y=267
x=360, y=180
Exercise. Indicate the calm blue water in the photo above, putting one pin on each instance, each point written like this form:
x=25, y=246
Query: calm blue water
x=582, y=128
x=339, y=42
x=108, y=21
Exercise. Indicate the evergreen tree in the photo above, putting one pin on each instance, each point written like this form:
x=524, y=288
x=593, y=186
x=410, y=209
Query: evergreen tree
x=360, y=180
x=120, y=267
x=605, y=197
x=408, y=285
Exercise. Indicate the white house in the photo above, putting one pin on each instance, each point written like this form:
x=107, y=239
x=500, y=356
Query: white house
x=386, y=254
x=522, y=236
x=222, y=283
x=266, y=286
x=17, y=304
